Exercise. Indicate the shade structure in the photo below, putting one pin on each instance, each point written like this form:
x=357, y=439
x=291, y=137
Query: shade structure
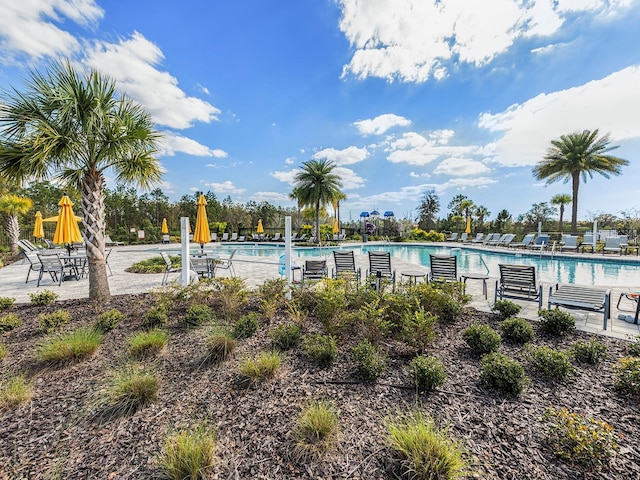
x=336, y=227
x=202, y=234
x=67, y=230
x=468, y=229
x=165, y=228
x=55, y=219
x=260, y=228
x=38, y=230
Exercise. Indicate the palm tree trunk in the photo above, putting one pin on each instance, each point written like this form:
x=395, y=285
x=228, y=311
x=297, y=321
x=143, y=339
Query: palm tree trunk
x=575, y=180
x=318, y=222
x=561, y=215
x=93, y=214
x=13, y=233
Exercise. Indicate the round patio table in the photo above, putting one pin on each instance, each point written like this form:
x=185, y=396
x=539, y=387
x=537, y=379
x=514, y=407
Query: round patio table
x=413, y=276
x=476, y=276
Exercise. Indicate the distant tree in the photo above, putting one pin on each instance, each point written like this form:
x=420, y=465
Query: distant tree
x=45, y=196
x=503, y=221
x=13, y=206
x=560, y=199
x=480, y=213
x=427, y=210
x=459, y=204
x=540, y=212
x=576, y=155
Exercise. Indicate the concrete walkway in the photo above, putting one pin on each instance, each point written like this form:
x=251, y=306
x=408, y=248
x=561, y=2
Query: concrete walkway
x=255, y=270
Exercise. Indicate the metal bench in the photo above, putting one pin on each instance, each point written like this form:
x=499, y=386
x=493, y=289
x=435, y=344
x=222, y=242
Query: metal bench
x=583, y=298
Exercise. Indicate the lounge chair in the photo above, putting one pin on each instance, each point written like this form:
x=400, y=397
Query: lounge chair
x=234, y=237
x=463, y=237
x=540, y=242
x=314, y=270
x=587, y=243
x=634, y=297
x=583, y=298
x=453, y=237
x=110, y=243
x=302, y=238
x=506, y=241
x=168, y=267
x=612, y=244
x=34, y=263
x=345, y=265
x=52, y=265
x=380, y=267
x=242, y=238
x=518, y=281
x=526, y=241
x=444, y=268
x=27, y=246
x=497, y=241
x=214, y=237
x=277, y=237
x=479, y=238
x=201, y=266
x=225, y=237
x=166, y=238
x=570, y=243
x=294, y=237
x=225, y=264
x=490, y=237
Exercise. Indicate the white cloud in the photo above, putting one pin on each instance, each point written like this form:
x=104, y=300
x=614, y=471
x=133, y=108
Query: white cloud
x=464, y=183
x=133, y=63
x=28, y=28
x=347, y=156
x=415, y=149
x=173, y=143
x=272, y=197
x=461, y=167
x=380, y=124
x=414, y=40
x=419, y=175
x=287, y=177
x=226, y=187
x=610, y=104
x=350, y=179
x=289, y=161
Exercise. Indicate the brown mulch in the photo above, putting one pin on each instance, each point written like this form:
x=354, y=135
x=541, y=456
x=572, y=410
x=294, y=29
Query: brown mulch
x=56, y=434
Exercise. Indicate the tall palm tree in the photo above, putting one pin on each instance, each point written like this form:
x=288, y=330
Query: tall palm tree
x=480, y=212
x=75, y=125
x=13, y=206
x=561, y=199
x=577, y=155
x=317, y=186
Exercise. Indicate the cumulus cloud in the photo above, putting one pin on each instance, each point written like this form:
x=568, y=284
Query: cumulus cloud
x=461, y=167
x=286, y=176
x=419, y=175
x=289, y=161
x=347, y=156
x=271, y=197
x=226, y=187
x=416, y=149
x=350, y=179
x=133, y=63
x=173, y=143
x=415, y=40
x=610, y=104
x=380, y=124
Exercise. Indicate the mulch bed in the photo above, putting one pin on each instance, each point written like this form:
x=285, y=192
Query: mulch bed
x=56, y=434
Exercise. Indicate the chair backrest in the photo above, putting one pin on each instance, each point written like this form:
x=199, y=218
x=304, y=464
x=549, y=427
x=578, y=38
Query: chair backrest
x=234, y=236
x=542, y=239
x=612, y=242
x=345, y=261
x=33, y=258
x=302, y=237
x=380, y=262
x=233, y=252
x=570, y=241
x=50, y=262
x=453, y=236
x=444, y=267
x=315, y=267
x=588, y=239
x=528, y=238
x=508, y=238
x=518, y=276
x=167, y=260
x=27, y=246
x=464, y=236
x=225, y=236
x=489, y=237
x=276, y=236
x=214, y=237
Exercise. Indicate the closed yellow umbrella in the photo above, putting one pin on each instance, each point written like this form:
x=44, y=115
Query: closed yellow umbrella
x=260, y=228
x=165, y=228
x=202, y=233
x=336, y=227
x=38, y=230
x=67, y=230
x=468, y=229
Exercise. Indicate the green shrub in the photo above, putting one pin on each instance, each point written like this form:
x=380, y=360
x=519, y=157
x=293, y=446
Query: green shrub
x=271, y=294
x=482, y=339
x=285, y=336
x=50, y=322
x=109, y=320
x=592, y=352
x=156, y=317
x=147, y=343
x=549, y=363
x=370, y=360
x=262, y=367
x=231, y=294
x=418, y=328
x=504, y=374
x=317, y=428
x=556, y=322
x=154, y=264
x=3, y=352
x=9, y=322
x=428, y=372
x=80, y=343
x=516, y=330
x=371, y=321
x=246, y=326
x=45, y=297
x=220, y=345
x=321, y=349
x=6, y=302
x=442, y=299
x=634, y=348
x=130, y=389
x=14, y=391
x=430, y=236
x=189, y=455
x=579, y=440
x=197, y=314
x=426, y=451
x=331, y=305
x=628, y=376
x=506, y=308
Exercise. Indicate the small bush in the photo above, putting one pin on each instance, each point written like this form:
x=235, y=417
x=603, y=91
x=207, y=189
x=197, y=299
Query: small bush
x=428, y=372
x=549, y=363
x=262, y=367
x=189, y=455
x=156, y=317
x=232, y=294
x=426, y=451
x=73, y=346
x=45, y=297
x=14, y=391
x=321, y=349
x=516, y=330
x=220, y=345
x=504, y=374
x=109, y=320
x=129, y=390
x=50, y=322
x=6, y=302
x=579, y=440
x=370, y=360
x=592, y=352
x=197, y=314
x=9, y=322
x=246, y=326
x=556, y=322
x=3, y=352
x=147, y=343
x=285, y=336
x=506, y=308
x=634, y=348
x=418, y=328
x=154, y=264
x=482, y=339
x=316, y=429
x=628, y=376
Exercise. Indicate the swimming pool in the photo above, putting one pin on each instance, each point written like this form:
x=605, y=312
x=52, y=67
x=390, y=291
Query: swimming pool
x=605, y=271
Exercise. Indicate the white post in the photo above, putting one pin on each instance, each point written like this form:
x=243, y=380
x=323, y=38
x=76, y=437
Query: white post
x=287, y=254
x=539, y=228
x=595, y=235
x=184, y=236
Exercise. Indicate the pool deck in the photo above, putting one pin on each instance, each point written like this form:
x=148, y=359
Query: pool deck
x=255, y=270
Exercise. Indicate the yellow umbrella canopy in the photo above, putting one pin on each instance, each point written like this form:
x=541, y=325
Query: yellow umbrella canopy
x=260, y=228
x=38, y=230
x=336, y=227
x=468, y=229
x=202, y=233
x=165, y=228
x=67, y=230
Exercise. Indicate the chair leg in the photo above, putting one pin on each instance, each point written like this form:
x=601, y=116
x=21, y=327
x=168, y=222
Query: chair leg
x=39, y=278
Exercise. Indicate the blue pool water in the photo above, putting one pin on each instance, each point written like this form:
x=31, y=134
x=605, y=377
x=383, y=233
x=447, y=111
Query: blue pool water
x=608, y=270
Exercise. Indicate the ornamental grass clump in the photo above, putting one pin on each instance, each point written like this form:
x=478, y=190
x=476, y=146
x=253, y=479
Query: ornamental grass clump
x=579, y=440
x=482, y=339
x=14, y=391
x=321, y=349
x=130, y=389
x=6, y=302
x=148, y=343
x=9, y=321
x=504, y=374
x=426, y=451
x=189, y=455
x=50, y=322
x=549, y=363
x=516, y=330
x=627, y=379
x=506, y=308
x=246, y=326
x=592, y=352
x=44, y=297
x=285, y=336
x=428, y=373
x=109, y=320
x=74, y=346
x=370, y=360
x=556, y=322
x=197, y=314
x=3, y=352
x=220, y=344
x=316, y=429
x=262, y=367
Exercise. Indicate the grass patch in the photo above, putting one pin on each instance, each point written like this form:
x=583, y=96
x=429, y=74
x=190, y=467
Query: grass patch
x=9, y=322
x=189, y=454
x=3, y=352
x=14, y=391
x=74, y=346
x=316, y=429
x=130, y=389
x=143, y=344
x=262, y=367
x=220, y=345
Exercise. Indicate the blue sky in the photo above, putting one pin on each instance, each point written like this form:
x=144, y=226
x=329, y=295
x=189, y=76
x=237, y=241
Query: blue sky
x=403, y=95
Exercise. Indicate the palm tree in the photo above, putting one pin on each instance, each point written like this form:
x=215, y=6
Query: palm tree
x=12, y=206
x=317, y=186
x=577, y=155
x=480, y=212
x=561, y=199
x=75, y=126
